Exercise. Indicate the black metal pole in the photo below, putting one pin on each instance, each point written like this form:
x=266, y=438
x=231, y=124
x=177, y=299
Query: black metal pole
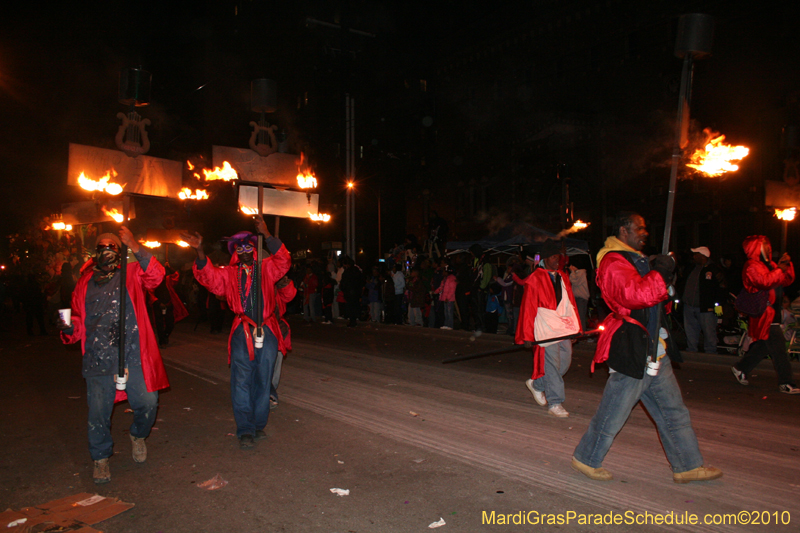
x=123, y=297
x=257, y=270
x=519, y=347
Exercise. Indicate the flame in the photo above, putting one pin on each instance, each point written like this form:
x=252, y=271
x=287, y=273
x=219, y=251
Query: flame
x=782, y=214
x=151, y=244
x=319, y=217
x=189, y=165
x=187, y=194
x=59, y=226
x=113, y=213
x=68, y=227
x=248, y=210
x=576, y=226
x=182, y=244
x=306, y=180
x=716, y=158
x=102, y=184
x=226, y=173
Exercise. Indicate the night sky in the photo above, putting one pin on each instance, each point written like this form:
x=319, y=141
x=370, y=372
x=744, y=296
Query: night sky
x=59, y=69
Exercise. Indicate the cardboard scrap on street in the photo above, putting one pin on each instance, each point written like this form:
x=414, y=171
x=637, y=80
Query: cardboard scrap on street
x=74, y=513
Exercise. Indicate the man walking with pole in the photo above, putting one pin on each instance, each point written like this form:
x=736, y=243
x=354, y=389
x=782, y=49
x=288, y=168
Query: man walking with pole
x=94, y=321
x=633, y=289
x=248, y=284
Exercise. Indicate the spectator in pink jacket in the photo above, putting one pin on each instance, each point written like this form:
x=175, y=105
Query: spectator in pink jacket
x=447, y=292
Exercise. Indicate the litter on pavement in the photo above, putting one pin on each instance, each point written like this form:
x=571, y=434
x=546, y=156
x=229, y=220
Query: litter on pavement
x=341, y=492
x=440, y=523
x=215, y=482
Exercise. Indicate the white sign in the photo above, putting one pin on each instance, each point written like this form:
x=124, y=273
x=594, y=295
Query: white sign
x=141, y=174
x=282, y=203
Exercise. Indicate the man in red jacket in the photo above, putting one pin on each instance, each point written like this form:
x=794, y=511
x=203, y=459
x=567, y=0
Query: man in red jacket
x=633, y=288
x=240, y=282
x=548, y=297
x=760, y=273
x=95, y=323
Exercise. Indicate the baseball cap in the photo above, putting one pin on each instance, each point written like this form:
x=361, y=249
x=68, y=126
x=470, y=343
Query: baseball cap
x=702, y=250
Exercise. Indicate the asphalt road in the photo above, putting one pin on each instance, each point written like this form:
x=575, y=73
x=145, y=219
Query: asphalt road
x=373, y=410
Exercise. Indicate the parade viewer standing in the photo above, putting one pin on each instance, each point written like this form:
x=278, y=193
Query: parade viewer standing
x=240, y=283
x=548, y=310
x=700, y=297
x=760, y=273
x=633, y=289
x=95, y=323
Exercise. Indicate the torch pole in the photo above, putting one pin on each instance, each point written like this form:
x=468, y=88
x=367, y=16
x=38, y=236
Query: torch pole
x=784, y=231
x=257, y=265
x=520, y=347
x=123, y=300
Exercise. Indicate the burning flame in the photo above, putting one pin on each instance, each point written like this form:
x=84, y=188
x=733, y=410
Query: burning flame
x=113, y=213
x=716, y=158
x=319, y=217
x=306, y=180
x=102, y=184
x=248, y=210
x=187, y=194
x=189, y=165
x=576, y=226
x=783, y=214
x=226, y=173
x=151, y=244
x=182, y=244
x=59, y=226
x=68, y=227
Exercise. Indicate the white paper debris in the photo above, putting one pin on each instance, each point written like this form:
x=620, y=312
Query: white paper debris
x=91, y=501
x=412, y=413
x=340, y=462
x=15, y=523
x=341, y=492
x=214, y=483
x=440, y=523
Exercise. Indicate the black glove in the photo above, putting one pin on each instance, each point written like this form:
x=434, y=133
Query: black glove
x=664, y=265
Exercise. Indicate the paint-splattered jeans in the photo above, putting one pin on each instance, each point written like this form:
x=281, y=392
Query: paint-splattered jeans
x=100, y=392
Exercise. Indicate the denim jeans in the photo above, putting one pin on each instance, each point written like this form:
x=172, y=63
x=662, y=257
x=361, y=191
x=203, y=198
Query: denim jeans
x=662, y=398
x=100, y=393
x=414, y=316
x=694, y=321
x=250, y=381
x=375, y=311
x=448, y=314
x=310, y=307
x=557, y=358
x=775, y=348
x=276, y=376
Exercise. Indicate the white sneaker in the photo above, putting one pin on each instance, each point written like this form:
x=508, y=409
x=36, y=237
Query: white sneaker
x=539, y=396
x=740, y=376
x=445, y=327
x=788, y=388
x=559, y=411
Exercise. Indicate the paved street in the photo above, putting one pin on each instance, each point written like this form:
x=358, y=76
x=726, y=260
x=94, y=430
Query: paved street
x=373, y=410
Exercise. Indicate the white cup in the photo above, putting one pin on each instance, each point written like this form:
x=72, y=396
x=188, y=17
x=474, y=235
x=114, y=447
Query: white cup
x=66, y=316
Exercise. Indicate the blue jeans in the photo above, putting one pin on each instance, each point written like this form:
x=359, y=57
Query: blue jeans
x=662, y=398
x=310, y=308
x=448, y=314
x=557, y=358
x=694, y=321
x=100, y=393
x=375, y=311
x=250, y=381
x=414, y=316
x=512, y=318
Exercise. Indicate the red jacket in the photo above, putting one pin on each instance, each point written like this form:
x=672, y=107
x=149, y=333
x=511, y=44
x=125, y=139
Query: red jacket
x=539, y=292
x=178, y=309
x=224, y=281
x=285, y=295
x=624, y=289
x=757, y=276
x=138, y=283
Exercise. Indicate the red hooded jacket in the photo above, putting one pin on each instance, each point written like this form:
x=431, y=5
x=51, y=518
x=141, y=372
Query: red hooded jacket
x=224, y=281
x=138, y=283
x=538, y=293
x=757, y=276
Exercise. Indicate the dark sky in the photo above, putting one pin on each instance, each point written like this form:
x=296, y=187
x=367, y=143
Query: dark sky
x=59, y=68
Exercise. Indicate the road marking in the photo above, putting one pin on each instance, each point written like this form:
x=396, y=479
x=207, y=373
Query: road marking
x=190, y=373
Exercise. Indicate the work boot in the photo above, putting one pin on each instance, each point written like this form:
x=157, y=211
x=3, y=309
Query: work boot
x=139, y=449
x=102, y=473
x=246, y=442
x=597, y=474
x=701, y=473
